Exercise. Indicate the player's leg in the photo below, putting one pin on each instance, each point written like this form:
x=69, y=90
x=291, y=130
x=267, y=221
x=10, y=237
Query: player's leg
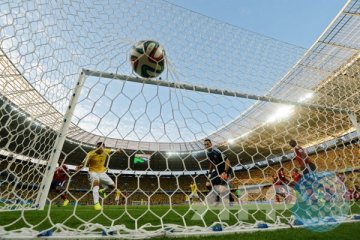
x=309, y=172
x=63, y=196
x=239, y=199
x=187, y=199
x=53, y=185
x=197, y=197
x=63, y=193
x=106, y=182
x=223, y=192
x=95, y=183
x=284, y=192
x=289, y=195
x=191, y=196
x=311, y=166
x=231, y=198
x=277, y=193
x=210, y=199
x=57, y=186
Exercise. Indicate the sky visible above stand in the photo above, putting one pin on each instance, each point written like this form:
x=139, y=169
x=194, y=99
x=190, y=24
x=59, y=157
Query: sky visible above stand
x=298, y=22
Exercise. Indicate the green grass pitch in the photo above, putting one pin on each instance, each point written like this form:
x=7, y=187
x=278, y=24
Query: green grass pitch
x=133, y=216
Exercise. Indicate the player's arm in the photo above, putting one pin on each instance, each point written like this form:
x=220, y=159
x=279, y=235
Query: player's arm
x=119, y=151
x=110, y=154
x=227, y=165
x=82, y=164
x=79, y=167
x=224, y=175
x=63, y=170
x=211, y=167
x=66, y=171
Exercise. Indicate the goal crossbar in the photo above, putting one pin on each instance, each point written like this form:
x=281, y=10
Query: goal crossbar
x=223, y=92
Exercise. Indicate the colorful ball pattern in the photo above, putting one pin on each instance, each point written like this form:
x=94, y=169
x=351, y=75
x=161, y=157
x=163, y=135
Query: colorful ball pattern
x=320, y=203
x=148, y=58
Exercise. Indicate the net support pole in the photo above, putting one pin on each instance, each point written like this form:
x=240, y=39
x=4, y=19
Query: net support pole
x=354, y=121
x=223, y=92
x=55, y=154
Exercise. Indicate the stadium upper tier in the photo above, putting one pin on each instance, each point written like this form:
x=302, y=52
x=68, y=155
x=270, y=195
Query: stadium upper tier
x=343, y=159
x=327, y=74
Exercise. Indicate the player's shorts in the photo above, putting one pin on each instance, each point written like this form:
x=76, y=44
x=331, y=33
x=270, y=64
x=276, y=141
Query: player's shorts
x=193, y=195
x=117, y=198
x=102, y=178
x=57, y=184
x=216, y=180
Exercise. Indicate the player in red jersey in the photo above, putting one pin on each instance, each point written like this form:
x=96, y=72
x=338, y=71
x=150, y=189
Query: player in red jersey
x=296, y=177
x=352, y=195
x=283, y=183
x=282, y=177
x=303, y=161
x=59, y=179
x=278, y=189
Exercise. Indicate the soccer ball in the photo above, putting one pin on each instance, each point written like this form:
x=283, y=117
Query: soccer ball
x=148, y=58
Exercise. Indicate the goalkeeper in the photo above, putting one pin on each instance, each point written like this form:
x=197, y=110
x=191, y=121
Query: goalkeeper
x=218, y=178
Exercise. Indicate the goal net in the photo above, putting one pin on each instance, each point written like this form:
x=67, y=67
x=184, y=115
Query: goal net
x=240, y=132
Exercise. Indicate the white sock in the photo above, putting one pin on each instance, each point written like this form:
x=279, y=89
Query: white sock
x=96, y=194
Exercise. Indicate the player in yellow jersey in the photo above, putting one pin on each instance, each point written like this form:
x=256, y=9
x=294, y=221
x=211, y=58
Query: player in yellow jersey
x=96, y=160
x=117, y=196
x=194, y=193
x=187, y=199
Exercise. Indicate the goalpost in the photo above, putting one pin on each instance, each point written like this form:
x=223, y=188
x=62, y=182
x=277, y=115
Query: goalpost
x=249, y=105
x=59, y=142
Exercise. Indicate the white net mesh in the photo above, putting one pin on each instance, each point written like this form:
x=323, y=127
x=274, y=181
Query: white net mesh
x=67, y=84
